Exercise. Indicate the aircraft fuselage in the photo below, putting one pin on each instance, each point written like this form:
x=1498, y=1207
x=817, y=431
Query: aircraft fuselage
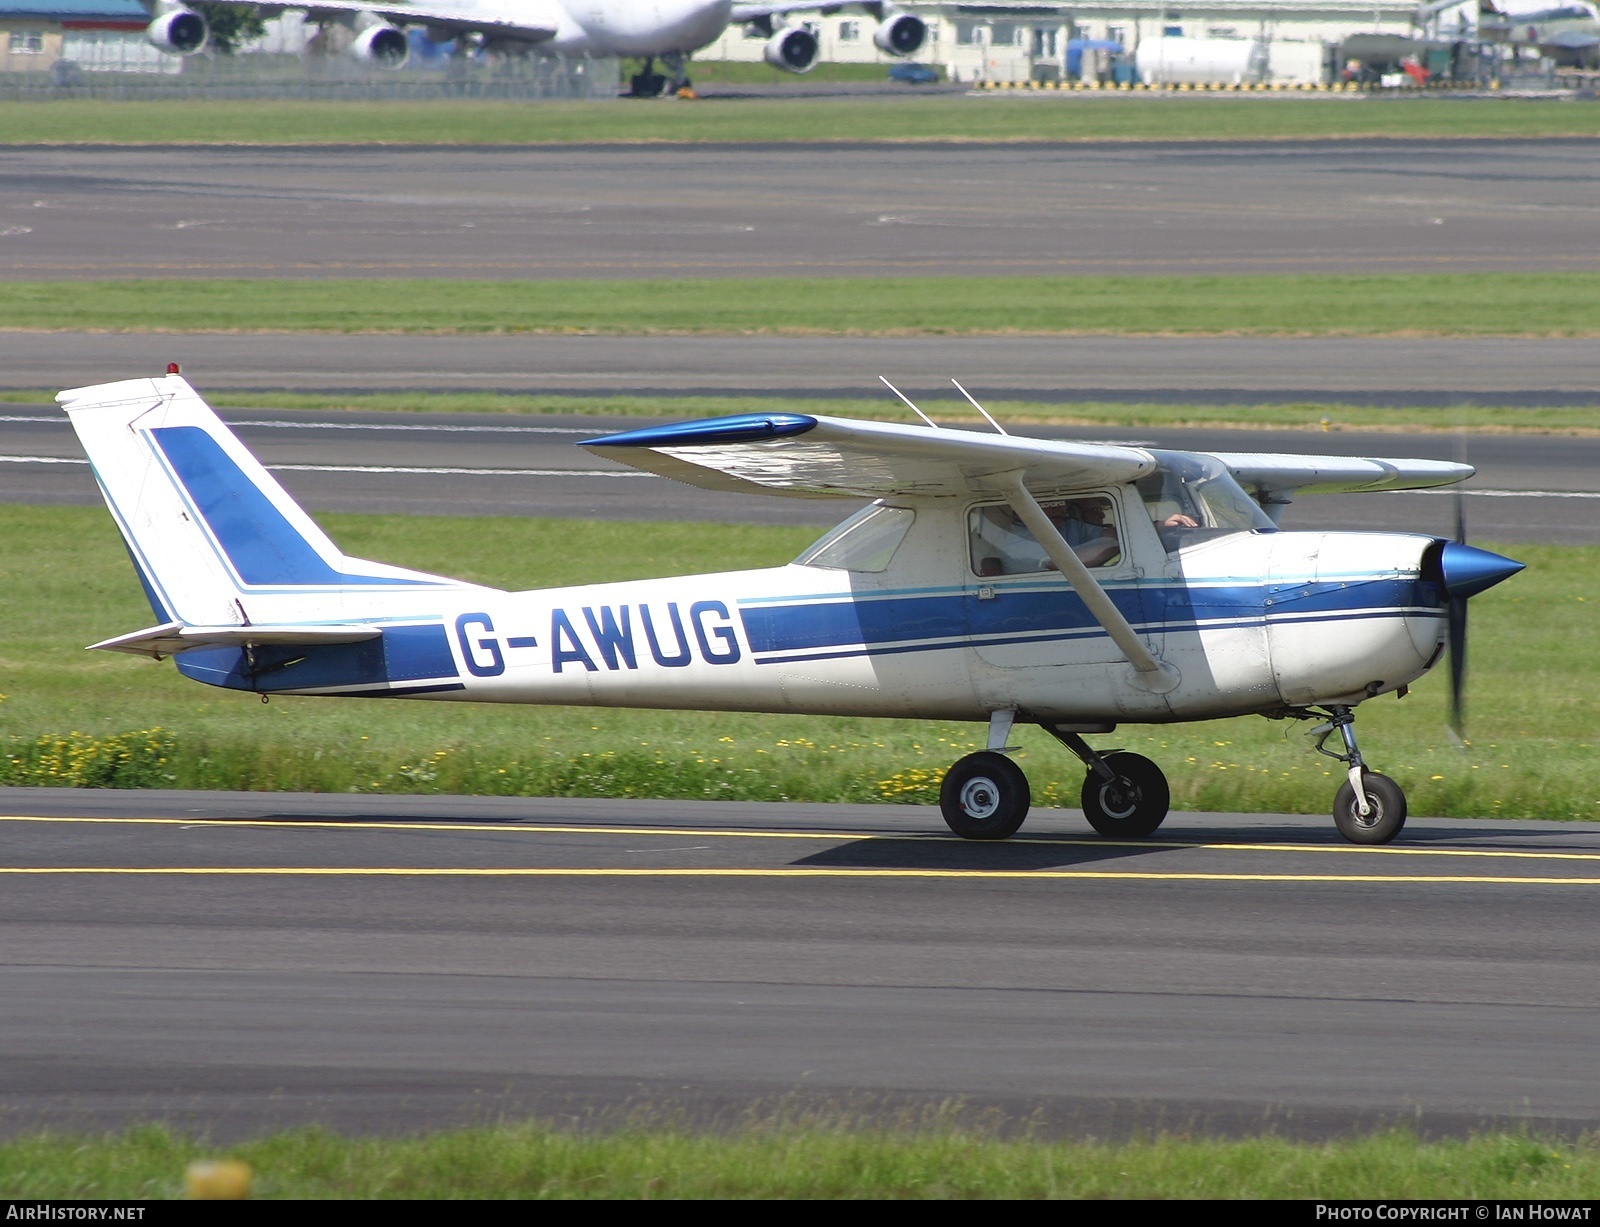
x=1252, y=622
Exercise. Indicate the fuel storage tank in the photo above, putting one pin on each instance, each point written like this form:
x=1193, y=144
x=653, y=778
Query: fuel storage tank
x=1201, y=61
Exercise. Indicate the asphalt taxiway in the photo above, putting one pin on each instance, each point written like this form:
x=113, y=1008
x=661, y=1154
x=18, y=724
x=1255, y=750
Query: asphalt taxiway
x=235, y=962
x=662, y=210
x=1380, y=371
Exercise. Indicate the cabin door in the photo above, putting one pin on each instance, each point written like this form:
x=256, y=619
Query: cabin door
x=1021, y=612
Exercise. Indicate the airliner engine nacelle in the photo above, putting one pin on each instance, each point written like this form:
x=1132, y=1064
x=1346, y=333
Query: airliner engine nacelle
x=793, y=50
x=900, y=33
x=383, y=45
x=178, y=31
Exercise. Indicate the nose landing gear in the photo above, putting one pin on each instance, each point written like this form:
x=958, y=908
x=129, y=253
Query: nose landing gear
x=1369, y=808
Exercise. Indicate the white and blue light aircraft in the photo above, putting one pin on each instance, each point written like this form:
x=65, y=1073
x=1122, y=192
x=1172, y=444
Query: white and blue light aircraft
x=665, y=30
x=994, y=578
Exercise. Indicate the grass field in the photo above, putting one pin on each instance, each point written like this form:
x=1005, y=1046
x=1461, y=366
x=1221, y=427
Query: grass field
x=1442, y=304
x=1052, y=117
x=72, y=717
x=1310, y=417
x=529, y=1161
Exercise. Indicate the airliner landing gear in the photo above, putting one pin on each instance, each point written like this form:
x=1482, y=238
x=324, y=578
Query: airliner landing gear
x=1369, y=808
x=677, y=66
x=1125, y=795
x=646, y=83
x=985, y=796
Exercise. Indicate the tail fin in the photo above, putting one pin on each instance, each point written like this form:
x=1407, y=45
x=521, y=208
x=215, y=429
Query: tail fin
x=216, y=540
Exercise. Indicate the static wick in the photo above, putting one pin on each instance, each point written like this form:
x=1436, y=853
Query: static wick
x=908, y=401
x=999, y=429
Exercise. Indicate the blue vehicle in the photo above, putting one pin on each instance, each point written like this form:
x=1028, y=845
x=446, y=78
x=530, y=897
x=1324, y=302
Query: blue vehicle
x=913, y=74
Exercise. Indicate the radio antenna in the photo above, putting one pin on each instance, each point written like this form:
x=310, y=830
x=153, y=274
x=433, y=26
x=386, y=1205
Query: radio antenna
x=999, y=429
x=907, y=400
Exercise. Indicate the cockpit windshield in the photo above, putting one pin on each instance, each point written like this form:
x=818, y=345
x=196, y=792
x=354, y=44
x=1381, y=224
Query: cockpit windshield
x=1194, y=498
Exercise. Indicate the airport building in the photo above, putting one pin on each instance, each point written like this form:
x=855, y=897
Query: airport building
x=36, y=35
x=1022, y=41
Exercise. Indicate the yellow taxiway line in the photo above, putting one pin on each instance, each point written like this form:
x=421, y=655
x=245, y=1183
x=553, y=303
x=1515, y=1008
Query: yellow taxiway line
x=970, y=874
x=829, y=836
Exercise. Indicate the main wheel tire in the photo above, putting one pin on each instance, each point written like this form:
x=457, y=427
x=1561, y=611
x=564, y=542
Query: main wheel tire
x=985, y=796
x=1388, y=805
x=1134, y=804
x=646, y=85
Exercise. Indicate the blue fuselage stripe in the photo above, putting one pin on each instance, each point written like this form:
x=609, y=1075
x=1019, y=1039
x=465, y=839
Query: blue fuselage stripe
x=809, y=630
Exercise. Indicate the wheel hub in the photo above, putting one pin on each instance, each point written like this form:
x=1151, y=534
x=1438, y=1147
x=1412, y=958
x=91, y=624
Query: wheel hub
x=1373, y=816
x=980, y=798
x=1119, y=799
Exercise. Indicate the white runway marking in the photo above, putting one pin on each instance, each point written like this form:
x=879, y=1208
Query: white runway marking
x=446, y=429
x=379, y=468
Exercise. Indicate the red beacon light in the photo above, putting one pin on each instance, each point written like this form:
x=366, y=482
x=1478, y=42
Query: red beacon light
x=172, y=368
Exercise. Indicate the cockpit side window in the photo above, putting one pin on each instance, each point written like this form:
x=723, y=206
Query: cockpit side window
x=866, y=541
x=1194, y=498
x=1001, y=543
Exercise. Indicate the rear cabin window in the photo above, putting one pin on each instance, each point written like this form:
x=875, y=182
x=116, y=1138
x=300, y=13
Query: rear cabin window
x=1002, y=544
x=865, y=542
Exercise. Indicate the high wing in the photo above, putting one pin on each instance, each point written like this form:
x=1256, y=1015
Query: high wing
x=803, y=456
x=806, y=456
x=463, y=21
x=1266, y=474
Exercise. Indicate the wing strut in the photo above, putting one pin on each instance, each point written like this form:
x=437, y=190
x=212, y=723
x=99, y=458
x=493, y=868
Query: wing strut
x=1150, y=673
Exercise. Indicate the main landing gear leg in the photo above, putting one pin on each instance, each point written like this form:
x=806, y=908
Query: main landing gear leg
x=646, y=83
x=677, y=66
x=1125, y=795
x=1369, y=808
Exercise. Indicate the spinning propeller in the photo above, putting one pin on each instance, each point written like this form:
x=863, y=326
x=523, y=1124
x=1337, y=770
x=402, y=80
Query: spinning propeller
x=1465, y=571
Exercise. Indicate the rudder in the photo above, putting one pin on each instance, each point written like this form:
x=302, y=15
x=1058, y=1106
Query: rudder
x=215, y=538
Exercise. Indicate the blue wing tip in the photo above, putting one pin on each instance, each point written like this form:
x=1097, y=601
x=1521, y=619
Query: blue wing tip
x=738, y=428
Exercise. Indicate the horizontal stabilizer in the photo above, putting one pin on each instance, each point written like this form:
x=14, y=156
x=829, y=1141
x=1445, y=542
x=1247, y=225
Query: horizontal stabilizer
x=171, y=638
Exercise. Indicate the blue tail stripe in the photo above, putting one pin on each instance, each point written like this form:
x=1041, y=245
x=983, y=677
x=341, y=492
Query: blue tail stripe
x=261, y=544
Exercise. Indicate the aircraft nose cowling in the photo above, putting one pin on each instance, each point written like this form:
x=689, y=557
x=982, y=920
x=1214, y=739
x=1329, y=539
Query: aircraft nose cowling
x=1466, y=570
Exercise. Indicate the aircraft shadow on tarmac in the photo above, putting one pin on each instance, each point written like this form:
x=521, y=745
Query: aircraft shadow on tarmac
x=889, y=852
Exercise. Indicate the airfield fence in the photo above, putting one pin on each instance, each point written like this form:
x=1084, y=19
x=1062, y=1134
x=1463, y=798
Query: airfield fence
x=317, y=78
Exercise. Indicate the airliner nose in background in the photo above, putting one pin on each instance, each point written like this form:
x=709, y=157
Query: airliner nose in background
x=646, y=27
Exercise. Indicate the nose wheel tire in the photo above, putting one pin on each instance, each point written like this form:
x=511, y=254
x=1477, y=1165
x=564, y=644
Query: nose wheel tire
x=1131, y=806
x=1386, y=803
x=985, y=796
